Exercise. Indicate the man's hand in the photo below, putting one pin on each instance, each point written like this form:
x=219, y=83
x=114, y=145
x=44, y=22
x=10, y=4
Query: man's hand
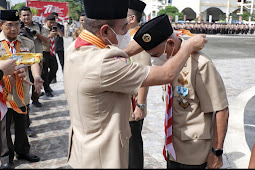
x=22, y=74
x=213, y=161
x=197, y=42
x=8, y=66
x=138, y=113
x=52, y=34
x=133, y=48
x=38, y=83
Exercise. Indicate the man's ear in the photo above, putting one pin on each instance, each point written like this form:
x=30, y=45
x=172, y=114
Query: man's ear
x=1, y=25
x=170, y=41
x=133, y=19
x=103, y=32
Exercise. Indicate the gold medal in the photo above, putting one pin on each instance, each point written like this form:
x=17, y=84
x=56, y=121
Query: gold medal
x=185, y=73
x=183, y=102
x=183, y=81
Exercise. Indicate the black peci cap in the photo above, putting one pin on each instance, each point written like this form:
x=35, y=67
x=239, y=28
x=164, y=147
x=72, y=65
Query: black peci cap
x=106, y=9
x=50, y=17
x=154, y=32
x=137, y=5
x=54, y=13
x=9, y=15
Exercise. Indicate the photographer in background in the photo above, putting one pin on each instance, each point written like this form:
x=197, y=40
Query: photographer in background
x=49, y=54
x=32, y=30
x=59, y=42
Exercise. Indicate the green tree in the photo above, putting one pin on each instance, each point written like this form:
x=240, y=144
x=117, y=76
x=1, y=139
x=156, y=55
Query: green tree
x=171, y=10
x=18, y=6
x=222, y=17
x=234, y=16
x=246, y=15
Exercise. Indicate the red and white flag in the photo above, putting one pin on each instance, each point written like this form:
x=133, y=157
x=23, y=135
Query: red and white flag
x=169, y=124
x=52, y=46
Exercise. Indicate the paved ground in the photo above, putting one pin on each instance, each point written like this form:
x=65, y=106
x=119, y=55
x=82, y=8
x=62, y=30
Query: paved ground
x=233, y=58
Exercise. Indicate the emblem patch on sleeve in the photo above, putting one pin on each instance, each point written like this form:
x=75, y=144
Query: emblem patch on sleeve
x=124, y=59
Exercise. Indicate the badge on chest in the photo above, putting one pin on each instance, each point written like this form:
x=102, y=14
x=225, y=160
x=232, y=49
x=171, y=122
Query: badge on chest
x=183, y=92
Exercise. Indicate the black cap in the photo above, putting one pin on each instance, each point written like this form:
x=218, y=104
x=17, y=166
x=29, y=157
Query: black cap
x=54, y=13
x=9, y=15
x=154, y=32
x=106, y=9
x=137, y=5
x=50, y=17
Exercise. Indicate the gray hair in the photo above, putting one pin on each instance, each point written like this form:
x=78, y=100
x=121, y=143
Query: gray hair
x=94, y=25
x=2, y=21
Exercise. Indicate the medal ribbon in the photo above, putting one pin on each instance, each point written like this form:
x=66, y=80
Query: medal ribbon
x=7, y=90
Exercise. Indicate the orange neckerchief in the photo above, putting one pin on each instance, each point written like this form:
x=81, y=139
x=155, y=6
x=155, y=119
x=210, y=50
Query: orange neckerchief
x=133, y=31
x=185, y=32
x=86, y=38
x=7, y=89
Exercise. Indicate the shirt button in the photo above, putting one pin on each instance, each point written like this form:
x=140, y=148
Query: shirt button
x=127, y=138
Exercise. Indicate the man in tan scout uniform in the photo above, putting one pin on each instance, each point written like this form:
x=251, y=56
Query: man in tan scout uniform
x=77, y=31
x=199, y=97
x=12, y=43
x=139, y=101
x=99, y=82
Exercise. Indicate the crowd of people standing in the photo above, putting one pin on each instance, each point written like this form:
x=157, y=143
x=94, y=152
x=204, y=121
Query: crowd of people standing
x=215, y=28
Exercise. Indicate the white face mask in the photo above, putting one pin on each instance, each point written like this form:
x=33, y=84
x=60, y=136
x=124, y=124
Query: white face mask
x=159, y=61
x=123, y=40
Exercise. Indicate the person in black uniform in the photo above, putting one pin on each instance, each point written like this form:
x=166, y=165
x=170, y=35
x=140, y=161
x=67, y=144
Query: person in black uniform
x=59, y=44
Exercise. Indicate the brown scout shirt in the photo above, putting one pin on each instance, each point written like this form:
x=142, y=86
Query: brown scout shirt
x=37, y=42
x=26, y=45
x=192, y=127
x=98, y=88
x=46, y=31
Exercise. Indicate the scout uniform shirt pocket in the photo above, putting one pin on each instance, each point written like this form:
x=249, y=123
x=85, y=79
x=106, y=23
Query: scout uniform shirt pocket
x=192, y=123
x=195, y=132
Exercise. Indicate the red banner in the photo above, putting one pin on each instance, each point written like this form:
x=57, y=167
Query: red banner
x=45, y=8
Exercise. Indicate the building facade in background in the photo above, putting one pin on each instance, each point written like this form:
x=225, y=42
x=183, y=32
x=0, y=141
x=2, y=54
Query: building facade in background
x=203, y=8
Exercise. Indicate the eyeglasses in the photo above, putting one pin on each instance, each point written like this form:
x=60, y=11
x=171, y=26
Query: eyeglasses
x=12, y=25
x=130, y=15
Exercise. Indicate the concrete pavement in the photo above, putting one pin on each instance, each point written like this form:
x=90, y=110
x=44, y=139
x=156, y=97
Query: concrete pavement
x=51, y=122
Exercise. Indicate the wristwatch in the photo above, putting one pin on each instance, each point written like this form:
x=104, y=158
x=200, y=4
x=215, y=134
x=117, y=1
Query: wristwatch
x=1, y=74
x=217, y=152
x=141, y=106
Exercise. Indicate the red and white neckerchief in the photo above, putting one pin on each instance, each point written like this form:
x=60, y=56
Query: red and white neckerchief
x=169, y=124
x=12, y=44
x=52, y=46
x=3, y=106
